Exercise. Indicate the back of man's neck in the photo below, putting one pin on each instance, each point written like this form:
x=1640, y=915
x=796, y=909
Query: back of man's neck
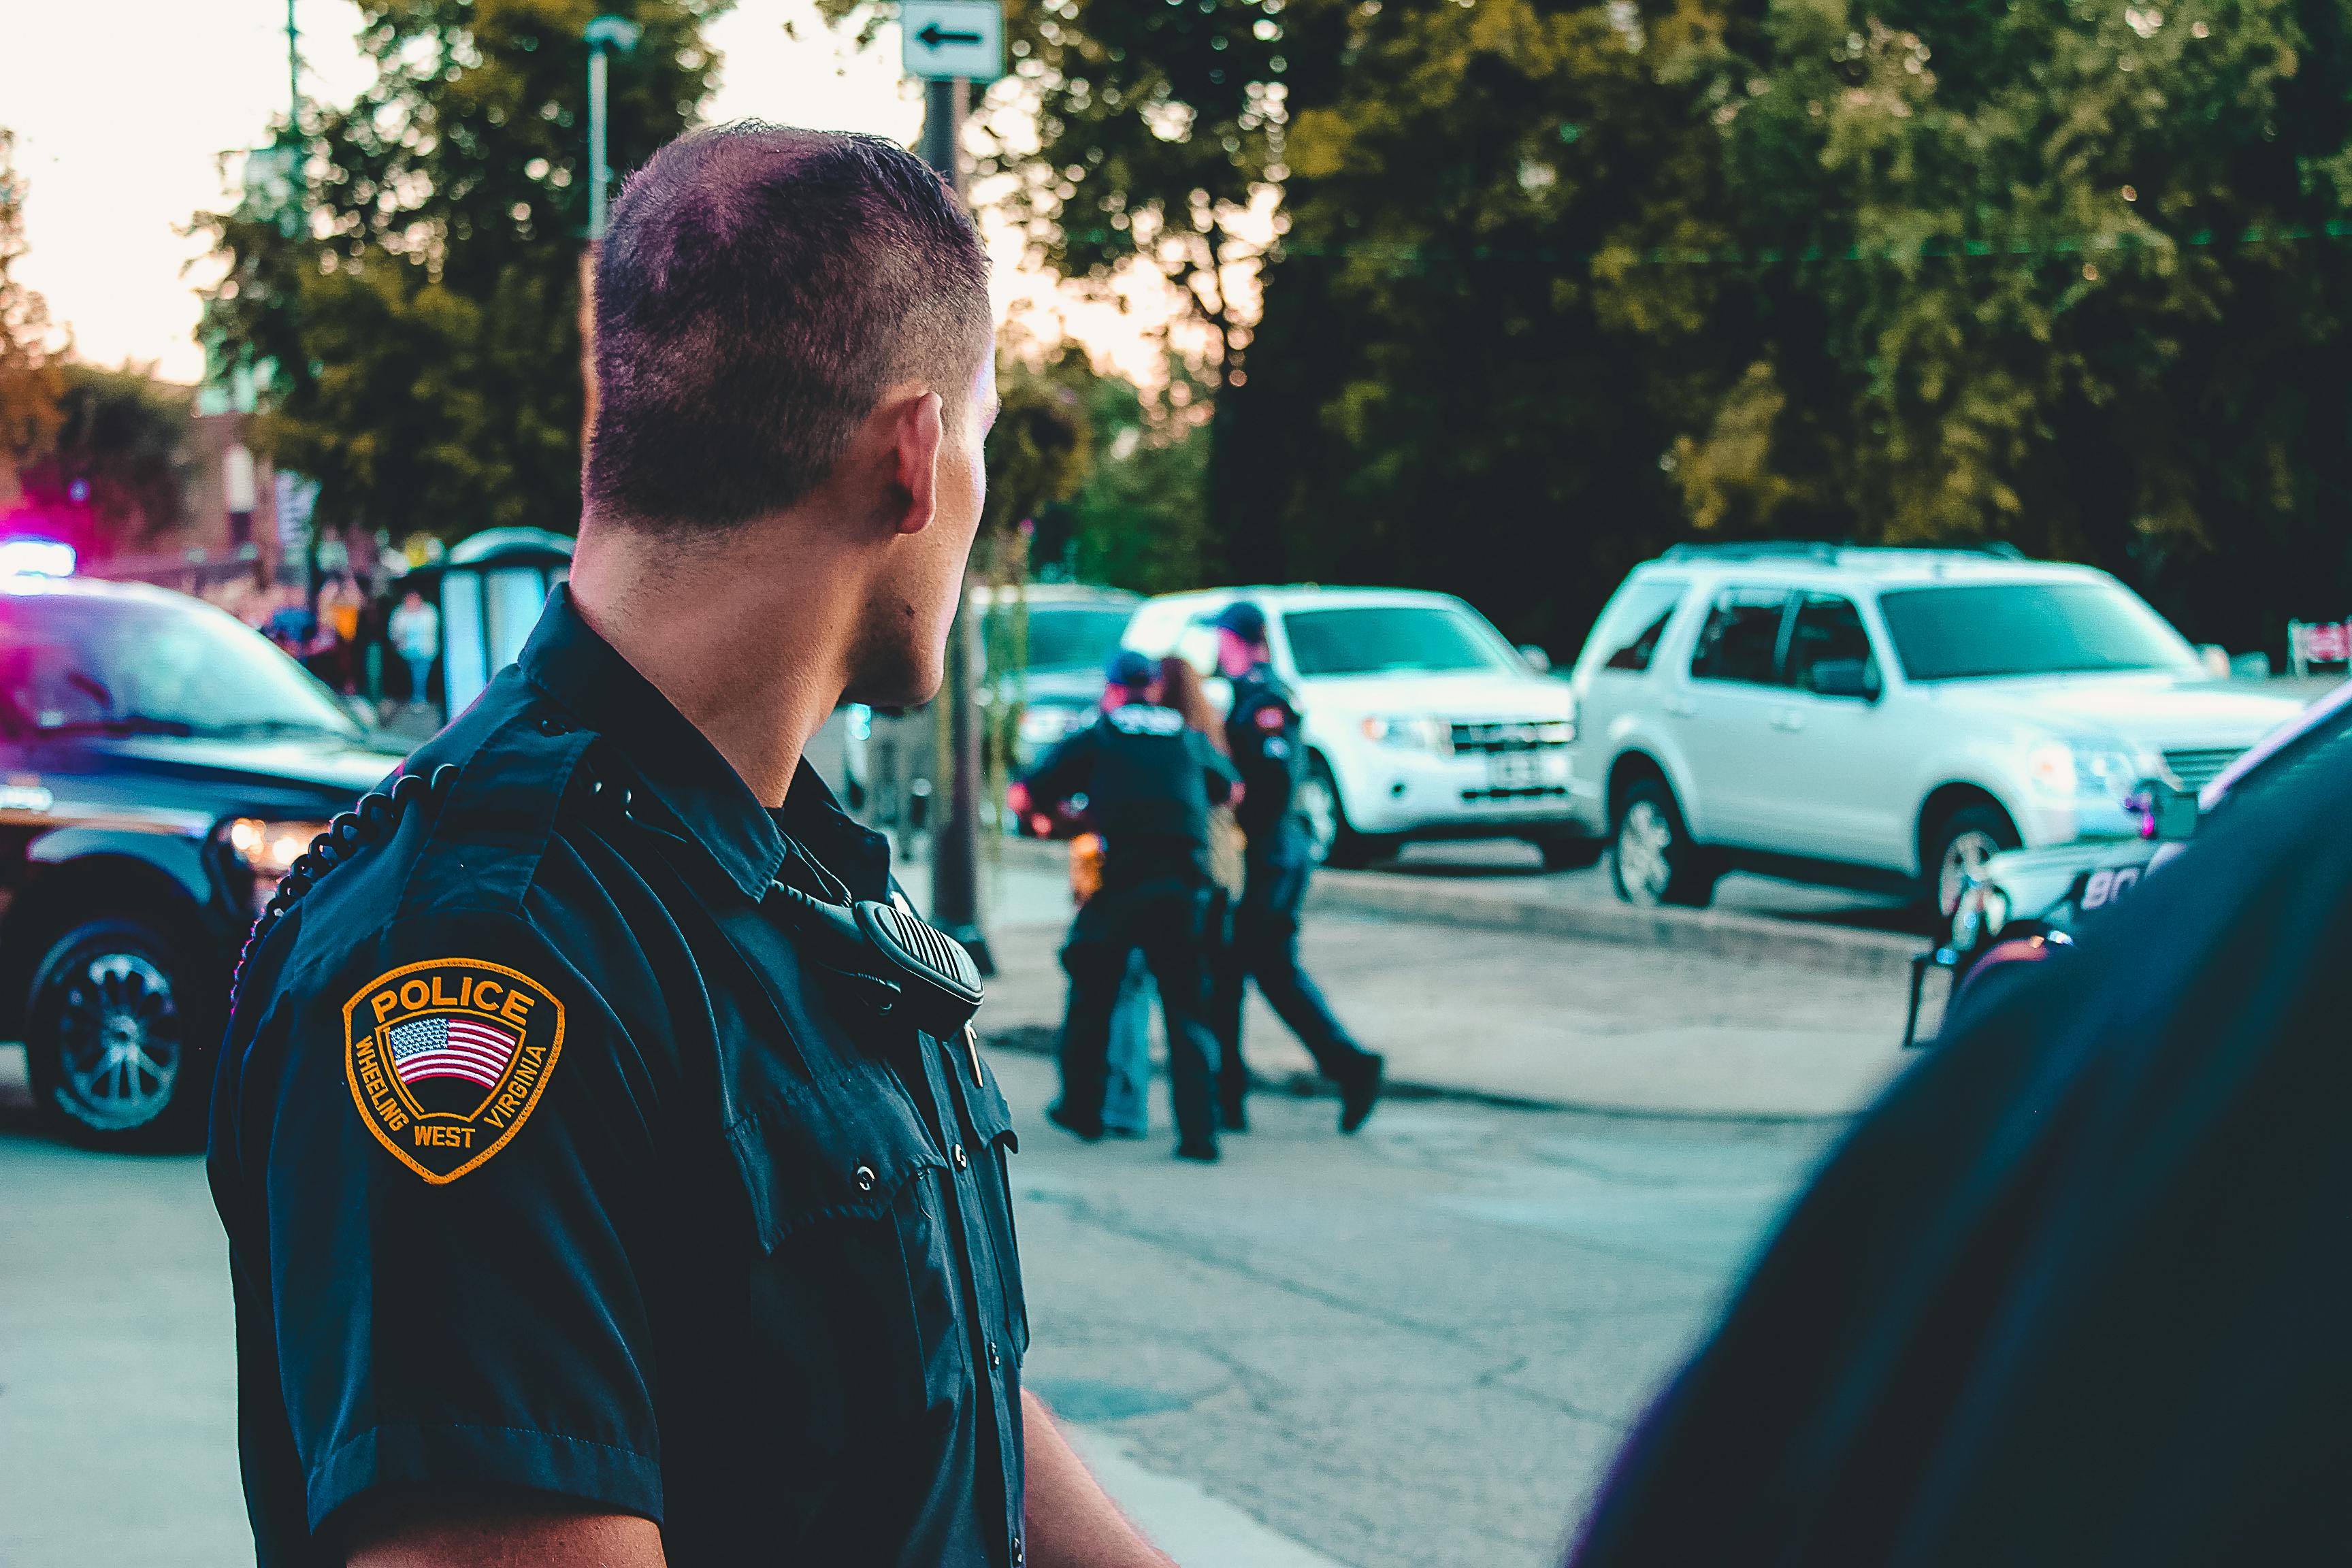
x=746, y=642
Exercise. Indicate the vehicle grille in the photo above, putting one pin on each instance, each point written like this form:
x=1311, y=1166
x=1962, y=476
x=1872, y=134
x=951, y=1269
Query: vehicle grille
x=1520, y=735
x=1512, y=793
x=2195, y=767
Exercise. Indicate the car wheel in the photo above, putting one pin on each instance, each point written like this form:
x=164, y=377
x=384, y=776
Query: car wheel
x=1652, y=859
x=111, y=1041
x=1572, y=854
x=1329, y=839
x=1959, y=849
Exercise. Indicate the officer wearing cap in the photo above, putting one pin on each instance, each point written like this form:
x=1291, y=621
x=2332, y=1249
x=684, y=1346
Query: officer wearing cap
x=1148, y=779
x=599, y=1187
x=1262, y=732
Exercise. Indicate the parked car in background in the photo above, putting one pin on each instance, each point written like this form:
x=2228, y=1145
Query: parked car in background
x=2027, y=905
x=1422, y=721
x=1042, y=655
x=1886, y=719
x=161, y=767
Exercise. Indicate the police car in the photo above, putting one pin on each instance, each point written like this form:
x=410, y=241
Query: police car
x=2026, y=906
x=160, y=768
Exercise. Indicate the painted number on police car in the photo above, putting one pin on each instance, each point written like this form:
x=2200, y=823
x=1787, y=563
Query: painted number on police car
x=2106, y=886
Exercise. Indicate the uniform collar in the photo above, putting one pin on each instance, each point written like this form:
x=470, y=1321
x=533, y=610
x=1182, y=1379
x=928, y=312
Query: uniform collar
x=680, y=768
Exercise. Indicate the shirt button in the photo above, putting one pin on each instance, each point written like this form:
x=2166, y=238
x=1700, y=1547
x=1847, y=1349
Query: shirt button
x=994, y=1359
x=864, y=1178
x=552, y=725
x=961, y=1159
x=1019, y=1556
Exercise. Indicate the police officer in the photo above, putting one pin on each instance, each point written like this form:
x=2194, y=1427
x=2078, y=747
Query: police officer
x=599, y=1185
x=2074, y=1292
x=1262, y=732
x=1149, y=781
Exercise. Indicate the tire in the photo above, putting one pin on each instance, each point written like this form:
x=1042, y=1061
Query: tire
x=117, y=1039
x=1329, y=840
x=1572, y=854
x=1653, y=859
x=1962, y=840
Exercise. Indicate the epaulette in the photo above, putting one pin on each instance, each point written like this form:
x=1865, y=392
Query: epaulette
x=374, y=817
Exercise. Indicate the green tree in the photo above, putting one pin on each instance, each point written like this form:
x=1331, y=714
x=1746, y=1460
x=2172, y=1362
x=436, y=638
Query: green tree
x=1466, y=377
x=422, y=335
x=119, y=455
x=29, y=381
x=2066, y=274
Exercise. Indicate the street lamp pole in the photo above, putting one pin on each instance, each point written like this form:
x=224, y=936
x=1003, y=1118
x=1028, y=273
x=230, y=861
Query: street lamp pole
x=604, y=35
x=955, y=845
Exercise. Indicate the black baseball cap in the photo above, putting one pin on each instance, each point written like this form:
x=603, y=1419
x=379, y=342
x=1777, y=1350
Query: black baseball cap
x=1131, y=670
x=1244, y=619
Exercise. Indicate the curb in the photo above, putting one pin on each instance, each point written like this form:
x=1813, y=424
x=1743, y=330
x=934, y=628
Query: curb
x=1042, y=1040
x=1720, y=933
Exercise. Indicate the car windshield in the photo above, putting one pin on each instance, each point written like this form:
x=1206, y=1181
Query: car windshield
x=1060, y=637
x=1390, y=639
x=1979, y=630
x=71, y=665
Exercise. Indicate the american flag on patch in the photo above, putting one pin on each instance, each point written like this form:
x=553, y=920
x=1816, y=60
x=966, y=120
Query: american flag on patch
x=451, y=1047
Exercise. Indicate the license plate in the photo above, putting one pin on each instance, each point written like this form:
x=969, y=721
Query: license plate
x=1513, y=770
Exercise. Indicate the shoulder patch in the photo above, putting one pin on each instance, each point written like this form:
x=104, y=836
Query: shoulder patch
x=1273, y=716
x=446, y=1059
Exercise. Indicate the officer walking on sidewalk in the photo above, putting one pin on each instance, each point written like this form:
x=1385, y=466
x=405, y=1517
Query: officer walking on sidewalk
x=1148, y=779
x=1262, y=732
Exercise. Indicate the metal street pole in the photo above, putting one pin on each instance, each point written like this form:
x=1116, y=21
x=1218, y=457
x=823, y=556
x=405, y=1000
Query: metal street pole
x=605, y=35
x=955, y=843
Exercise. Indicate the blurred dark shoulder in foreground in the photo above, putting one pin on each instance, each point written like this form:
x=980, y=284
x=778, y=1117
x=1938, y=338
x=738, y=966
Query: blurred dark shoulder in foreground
x=2075, y=1291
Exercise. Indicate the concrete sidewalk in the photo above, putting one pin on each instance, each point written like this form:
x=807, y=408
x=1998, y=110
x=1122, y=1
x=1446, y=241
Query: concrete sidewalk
x=1541, y=1019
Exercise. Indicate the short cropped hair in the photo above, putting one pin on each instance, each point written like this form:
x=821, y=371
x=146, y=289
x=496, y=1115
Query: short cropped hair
x=759, y=291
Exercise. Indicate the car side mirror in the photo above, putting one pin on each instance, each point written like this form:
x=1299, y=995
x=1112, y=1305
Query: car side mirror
x=1844, y=677
x=1538, y=659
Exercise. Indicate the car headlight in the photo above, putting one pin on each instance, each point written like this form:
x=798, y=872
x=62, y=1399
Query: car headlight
x=1043, y=726
x=269, y=849
x=1412, y=734
x=2084, y=769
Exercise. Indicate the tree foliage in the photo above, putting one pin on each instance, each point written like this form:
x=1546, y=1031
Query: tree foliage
x=29, y=379
x=119, y=459
x=422, y=331
x=1563, y=281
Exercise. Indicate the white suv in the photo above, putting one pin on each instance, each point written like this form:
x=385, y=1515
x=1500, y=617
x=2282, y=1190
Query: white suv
x=1881, y=718
x=1422, y=721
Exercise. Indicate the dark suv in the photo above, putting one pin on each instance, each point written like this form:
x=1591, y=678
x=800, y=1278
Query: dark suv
x=161, y=766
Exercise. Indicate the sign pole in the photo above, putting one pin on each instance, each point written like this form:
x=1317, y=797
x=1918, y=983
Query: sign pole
x=955, y=842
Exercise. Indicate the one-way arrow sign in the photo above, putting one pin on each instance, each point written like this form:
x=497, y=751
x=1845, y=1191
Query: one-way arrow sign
x=949, y=38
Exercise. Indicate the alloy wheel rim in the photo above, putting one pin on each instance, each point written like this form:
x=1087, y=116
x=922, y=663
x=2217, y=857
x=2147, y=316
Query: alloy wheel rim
x=1644, y=843
x=119, y=1041
x=1963, y=859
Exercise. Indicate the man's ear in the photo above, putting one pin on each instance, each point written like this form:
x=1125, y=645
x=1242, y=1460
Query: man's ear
x=911, y=431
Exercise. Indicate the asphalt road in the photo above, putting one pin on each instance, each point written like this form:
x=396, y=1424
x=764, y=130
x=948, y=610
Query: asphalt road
x=1417, y=1346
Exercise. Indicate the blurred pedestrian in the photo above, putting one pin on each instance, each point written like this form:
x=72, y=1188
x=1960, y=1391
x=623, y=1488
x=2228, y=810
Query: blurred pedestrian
x=339, y=601
x=1150, y=781
x=416, y=632
x=1127, y=1098
x=2074, y=1292
x=373, y=629
x=1262, y=734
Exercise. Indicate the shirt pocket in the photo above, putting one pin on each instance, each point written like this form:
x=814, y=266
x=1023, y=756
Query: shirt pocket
x=992, y=1121
x=853, y=1291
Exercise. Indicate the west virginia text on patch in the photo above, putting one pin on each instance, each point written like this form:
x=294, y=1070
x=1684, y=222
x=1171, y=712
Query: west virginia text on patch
x=446, y=1059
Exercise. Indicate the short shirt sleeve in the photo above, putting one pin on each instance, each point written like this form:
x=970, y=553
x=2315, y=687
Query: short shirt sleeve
x=452, y=1158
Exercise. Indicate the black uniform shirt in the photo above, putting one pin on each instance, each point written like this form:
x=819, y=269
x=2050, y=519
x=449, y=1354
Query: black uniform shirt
x=1262, y=732
x=1148, y=779
x=2077, y=1292
x=548, y=1162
